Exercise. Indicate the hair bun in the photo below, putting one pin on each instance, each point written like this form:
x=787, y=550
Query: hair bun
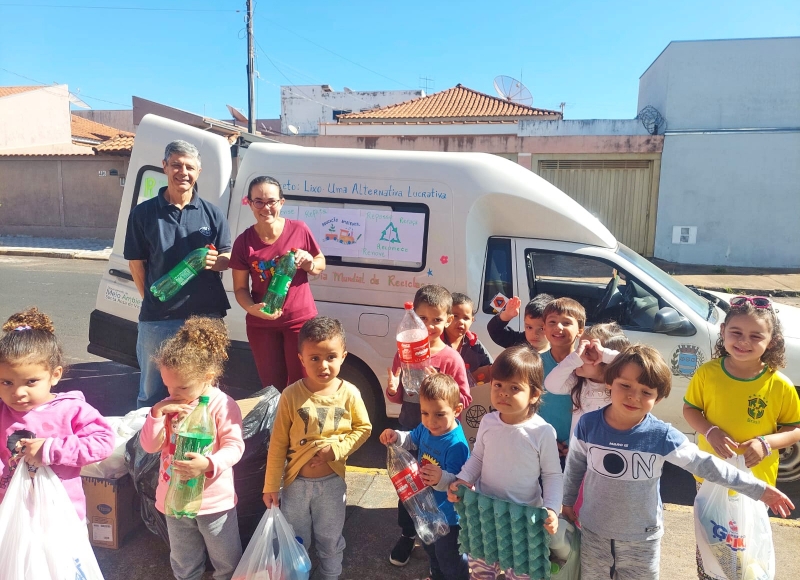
x=32, y=319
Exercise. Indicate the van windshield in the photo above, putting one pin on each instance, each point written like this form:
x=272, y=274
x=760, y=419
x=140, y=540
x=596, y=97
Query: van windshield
x=694, y=301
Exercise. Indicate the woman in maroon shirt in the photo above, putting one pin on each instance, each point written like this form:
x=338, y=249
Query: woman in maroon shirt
x=273, y=337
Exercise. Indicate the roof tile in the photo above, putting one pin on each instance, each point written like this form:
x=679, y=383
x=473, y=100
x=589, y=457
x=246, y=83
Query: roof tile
x=457, y=103
x=87, y=129
x=8, y=91
x=119, y=145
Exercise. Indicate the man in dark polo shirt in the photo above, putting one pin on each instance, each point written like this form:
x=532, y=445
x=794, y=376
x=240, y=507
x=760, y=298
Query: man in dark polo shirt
x=161, y=232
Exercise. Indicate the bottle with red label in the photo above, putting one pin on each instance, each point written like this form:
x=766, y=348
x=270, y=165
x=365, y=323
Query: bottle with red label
x=418, y=499
x=414, y=350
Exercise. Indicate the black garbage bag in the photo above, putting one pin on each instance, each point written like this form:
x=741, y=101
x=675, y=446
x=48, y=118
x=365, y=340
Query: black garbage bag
x=248, y=474
x=143, y=468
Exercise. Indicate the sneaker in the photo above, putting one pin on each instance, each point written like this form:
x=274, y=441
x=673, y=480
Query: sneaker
x=401, y=553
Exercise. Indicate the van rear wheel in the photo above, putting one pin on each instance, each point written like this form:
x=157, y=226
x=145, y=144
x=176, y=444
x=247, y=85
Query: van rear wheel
x=355, y=371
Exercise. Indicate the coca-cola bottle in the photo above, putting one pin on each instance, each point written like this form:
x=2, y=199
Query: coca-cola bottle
x=414, y=350
x=418, y=499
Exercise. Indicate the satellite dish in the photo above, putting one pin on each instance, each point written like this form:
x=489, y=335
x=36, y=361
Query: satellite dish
x=292, y=129
x=513, y=91
x=237, y=114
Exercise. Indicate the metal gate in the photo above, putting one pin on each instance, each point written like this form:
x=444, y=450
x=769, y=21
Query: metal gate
x=619, y=193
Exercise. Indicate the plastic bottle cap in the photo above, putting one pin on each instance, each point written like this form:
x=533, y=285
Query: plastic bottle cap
x=294, y=250
x=481, y=376
x=212, y=247
x=204, y=398
x=408, y=305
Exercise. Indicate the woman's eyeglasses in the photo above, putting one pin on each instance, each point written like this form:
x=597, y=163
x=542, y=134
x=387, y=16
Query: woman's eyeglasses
x=262, y=203
x=756, y=301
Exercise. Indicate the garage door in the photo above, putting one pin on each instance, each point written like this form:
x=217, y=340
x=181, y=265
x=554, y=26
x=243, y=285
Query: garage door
x=620, y=193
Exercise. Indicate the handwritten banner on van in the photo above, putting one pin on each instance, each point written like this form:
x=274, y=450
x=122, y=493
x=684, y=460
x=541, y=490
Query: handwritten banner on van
x=363, y=233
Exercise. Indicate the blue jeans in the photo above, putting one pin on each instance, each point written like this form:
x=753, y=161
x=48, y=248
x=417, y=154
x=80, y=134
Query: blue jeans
x=151, y=334
x=446, y=562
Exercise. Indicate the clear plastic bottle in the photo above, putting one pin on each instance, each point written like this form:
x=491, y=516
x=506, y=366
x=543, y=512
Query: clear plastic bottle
x=170, y=283
x=279, y=284
x=414, y=349
x=195, y=434
x=418, y=499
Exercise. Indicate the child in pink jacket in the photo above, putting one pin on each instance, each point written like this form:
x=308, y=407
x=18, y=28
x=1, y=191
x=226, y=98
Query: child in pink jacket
x=59, y=430
x=190, y=363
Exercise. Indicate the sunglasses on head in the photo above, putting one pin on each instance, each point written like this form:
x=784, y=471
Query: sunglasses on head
x=756, y=301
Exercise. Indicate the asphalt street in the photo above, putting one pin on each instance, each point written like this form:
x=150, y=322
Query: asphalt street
x=66, y=290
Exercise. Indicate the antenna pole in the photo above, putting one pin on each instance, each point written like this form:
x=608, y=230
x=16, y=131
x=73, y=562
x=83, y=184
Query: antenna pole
x=251, y=57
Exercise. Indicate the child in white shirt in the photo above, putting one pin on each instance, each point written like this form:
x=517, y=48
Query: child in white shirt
x=580, y=374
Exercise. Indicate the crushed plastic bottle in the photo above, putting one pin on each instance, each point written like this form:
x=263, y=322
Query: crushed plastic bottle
x=171, y=283
x=195, y=435
x=414, y=350
x=418, y=499
x=279, y=284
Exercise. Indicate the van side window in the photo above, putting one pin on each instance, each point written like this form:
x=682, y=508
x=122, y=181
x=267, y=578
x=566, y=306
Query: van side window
x=607, y=294
x=497, y=277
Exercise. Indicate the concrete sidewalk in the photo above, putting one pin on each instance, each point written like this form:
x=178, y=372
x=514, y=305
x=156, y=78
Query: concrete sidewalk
x=370, y=531
x=718, y=278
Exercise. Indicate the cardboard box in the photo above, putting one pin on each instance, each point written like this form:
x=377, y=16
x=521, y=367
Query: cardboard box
x=111, y=510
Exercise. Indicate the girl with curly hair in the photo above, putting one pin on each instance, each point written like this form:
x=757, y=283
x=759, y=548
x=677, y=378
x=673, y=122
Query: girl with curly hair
x=739, y=402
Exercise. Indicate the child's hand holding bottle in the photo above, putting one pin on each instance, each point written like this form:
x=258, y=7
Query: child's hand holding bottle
x=388, y=437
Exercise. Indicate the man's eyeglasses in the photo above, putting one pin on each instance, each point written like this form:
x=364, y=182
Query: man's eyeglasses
x=756, y=301
x=262, y=203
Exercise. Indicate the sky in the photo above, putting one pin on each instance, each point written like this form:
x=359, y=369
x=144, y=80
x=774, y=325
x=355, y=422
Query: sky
x=192, y=55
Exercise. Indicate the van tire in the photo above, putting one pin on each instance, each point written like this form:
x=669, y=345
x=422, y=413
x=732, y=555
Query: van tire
x=355, y=371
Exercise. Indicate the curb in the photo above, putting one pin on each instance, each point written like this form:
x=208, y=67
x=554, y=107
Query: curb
x=53, y=253
x=754, y=291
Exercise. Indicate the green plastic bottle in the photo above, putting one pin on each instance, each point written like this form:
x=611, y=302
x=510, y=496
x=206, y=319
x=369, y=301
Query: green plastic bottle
x=170, y=283
x=195, y=435
x=285, y=270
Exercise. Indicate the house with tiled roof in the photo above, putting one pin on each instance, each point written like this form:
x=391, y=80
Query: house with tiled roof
x=48, y=161
x=459, y=105
x=602, y=163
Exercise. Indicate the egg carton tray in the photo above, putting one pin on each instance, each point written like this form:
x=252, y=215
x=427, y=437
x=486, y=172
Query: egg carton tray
x=496, y=530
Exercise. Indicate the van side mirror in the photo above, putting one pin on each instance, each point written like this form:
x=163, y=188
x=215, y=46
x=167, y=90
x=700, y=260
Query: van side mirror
x=670, y=321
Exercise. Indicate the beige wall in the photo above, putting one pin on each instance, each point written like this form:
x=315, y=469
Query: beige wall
x=61, y=197
x=505, y=144
x=39, y=117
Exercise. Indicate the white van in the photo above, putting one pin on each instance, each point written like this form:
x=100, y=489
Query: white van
x=389, y=222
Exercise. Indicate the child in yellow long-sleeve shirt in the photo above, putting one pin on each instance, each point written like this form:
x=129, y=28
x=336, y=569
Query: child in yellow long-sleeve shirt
x=321, y=420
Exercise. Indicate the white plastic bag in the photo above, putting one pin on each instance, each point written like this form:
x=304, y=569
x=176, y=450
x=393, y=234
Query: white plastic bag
x=733, y=533
x=113, y=466
x=41, y=536
x=273, y=553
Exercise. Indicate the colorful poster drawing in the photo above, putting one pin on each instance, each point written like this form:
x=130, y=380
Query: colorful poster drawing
x=342, y=232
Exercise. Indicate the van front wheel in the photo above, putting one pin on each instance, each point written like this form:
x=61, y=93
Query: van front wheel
x=355, y=371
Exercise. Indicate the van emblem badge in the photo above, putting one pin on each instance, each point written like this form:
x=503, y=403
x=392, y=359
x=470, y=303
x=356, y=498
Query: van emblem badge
x=686, y=359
